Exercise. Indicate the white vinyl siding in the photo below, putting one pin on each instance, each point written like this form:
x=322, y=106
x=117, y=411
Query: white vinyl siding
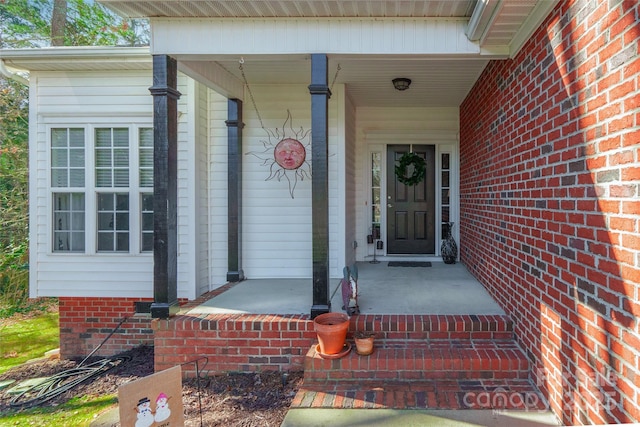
x=276, y=227
x=350, y=228
x=202, y=205
x=81, y=102
x=218, y=203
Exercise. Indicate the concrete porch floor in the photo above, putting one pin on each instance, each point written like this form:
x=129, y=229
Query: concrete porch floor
x=439, y=289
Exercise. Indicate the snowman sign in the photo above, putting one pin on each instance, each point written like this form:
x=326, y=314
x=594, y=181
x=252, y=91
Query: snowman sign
x=153, y=401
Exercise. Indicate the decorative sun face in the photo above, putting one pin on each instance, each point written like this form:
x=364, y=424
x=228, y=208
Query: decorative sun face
x=285, y=154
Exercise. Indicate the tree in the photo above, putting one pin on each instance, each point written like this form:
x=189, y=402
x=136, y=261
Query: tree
x=13, y=193
x=39, y=23
x=58, y=21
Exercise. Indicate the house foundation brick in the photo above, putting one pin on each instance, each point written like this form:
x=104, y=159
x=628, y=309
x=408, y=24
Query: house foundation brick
x=86, y=322
x=549, y=217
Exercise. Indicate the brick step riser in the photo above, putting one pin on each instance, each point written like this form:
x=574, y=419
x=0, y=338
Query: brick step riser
x=425, y=327
x=436, y=335
x=358, y=376
x=423, y=360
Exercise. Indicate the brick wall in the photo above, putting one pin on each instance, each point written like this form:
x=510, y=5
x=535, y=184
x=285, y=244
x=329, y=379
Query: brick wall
x=236, y=342
x=86, y=322
x=550, y=206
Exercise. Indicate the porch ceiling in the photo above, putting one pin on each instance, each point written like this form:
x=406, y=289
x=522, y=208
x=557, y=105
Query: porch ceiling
x=434, y=83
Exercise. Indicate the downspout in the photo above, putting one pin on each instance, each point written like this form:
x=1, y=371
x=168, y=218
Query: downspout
x=481, y=19
x=13, y=76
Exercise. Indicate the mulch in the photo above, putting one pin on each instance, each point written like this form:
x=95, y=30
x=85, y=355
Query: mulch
x=229, y=399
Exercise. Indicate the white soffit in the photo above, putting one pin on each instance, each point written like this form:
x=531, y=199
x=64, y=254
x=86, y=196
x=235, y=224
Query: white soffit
x=291, y=8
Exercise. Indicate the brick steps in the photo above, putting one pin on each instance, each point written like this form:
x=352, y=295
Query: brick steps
x=437, y=362
x=516, y=394
x=418, y=360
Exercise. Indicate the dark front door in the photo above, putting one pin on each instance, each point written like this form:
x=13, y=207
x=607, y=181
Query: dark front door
x=411, y=210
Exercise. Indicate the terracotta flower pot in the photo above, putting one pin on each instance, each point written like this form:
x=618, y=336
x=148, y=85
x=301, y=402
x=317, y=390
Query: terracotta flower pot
x=364, y=343
x=331, y=329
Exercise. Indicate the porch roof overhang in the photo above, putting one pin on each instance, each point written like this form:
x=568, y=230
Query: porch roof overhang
x=441, y=45
x=495, y=25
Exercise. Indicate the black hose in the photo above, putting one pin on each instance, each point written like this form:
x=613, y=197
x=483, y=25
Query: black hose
x=62, y=382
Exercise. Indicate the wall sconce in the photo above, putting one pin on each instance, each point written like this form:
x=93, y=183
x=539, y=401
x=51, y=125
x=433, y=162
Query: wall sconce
x=401, y=83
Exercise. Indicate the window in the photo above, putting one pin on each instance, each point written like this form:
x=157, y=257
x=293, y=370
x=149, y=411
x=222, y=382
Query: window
x=67, y=172
x=376, y=170
x=113, y=184
x=445, y=188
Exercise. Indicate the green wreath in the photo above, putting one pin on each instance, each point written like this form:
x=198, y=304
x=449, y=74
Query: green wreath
x=419, y=169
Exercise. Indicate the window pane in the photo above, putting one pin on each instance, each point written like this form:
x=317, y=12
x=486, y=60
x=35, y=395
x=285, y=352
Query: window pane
x=103, y=158
x=113, y=222
x=105, y=242
x=61, y=201
x=68, y=215
x=122, y=242
x=147, y=202
x=445, y=179
x=105, y=202
x=376, y=196
x=147, y=222
x=59, y=177
x=121, y=137
x=445, y=196
x=121, y=177
x=121, y=157
x=122, y=203
x=59, y=157
x=76, y=138
x=105, y=221
x=103, y=138
x=58, y=137
x=77, y=241
x=146, y=178
x=445, y=161
x=78, y=201
x=61, y=241
x=103, y=177
x=76, y=177
x=76, y=158
x=122, y=221
x=77, y=222
x=146, y=137
x=61, y=221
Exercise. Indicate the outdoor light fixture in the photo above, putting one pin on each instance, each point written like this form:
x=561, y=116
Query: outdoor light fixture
x=401, y=83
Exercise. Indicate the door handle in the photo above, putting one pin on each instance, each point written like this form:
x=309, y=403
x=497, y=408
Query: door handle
x=389, y=205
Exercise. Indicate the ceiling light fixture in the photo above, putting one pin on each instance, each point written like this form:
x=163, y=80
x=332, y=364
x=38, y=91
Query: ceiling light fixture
x=401, y=83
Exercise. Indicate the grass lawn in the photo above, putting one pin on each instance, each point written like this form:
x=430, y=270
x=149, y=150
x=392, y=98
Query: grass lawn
x=23, y=339
x=77, y=412
x=28, y=337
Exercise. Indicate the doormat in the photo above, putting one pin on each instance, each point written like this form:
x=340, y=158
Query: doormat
x=409, y=264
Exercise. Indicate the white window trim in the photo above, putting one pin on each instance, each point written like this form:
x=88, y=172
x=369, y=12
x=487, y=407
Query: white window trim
x=89, y=124
x=445, y=142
